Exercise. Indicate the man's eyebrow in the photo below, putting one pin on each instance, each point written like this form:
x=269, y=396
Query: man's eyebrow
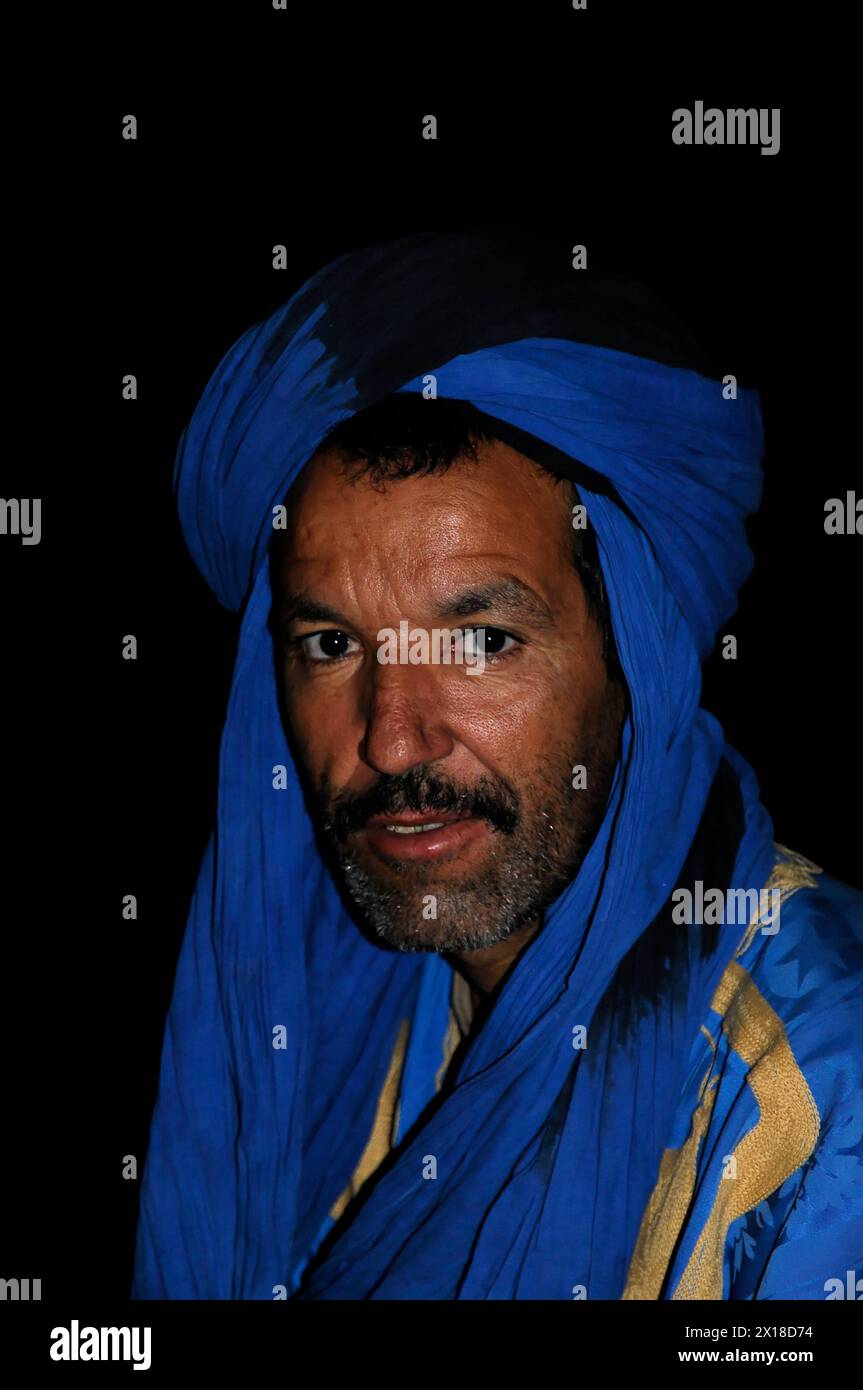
x=509, y=597
x=302, y=608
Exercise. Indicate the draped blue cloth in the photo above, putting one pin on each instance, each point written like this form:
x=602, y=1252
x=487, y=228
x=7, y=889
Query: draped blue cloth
x=545, y=1155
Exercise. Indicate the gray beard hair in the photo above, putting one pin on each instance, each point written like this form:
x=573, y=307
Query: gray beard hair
x=529, y=869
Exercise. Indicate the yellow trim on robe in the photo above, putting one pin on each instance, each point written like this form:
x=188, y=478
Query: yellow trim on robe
x=669, y=1202
x=380, y=1139
x=783, y=1139
x=386, y=1121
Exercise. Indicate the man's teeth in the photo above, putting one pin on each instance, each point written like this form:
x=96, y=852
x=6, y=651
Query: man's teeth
x=415, y=829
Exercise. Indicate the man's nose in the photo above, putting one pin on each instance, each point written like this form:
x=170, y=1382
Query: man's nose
x=405, y=720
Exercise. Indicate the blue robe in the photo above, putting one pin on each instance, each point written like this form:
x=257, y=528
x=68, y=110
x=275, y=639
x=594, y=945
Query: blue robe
x=650, y=1163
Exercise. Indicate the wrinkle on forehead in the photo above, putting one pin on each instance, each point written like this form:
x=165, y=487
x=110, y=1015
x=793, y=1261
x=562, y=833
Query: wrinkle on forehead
x=499, y=505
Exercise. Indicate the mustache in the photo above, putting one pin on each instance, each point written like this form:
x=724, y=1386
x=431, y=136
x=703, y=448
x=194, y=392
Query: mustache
x=423, y=790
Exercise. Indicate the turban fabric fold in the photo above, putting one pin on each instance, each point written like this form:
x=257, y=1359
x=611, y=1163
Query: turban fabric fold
x=545, y=1155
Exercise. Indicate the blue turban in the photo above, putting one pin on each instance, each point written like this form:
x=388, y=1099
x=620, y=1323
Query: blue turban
x=546, y=1155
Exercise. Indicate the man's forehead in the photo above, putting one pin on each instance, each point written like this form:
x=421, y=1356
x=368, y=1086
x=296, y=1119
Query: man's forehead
x=500, y=492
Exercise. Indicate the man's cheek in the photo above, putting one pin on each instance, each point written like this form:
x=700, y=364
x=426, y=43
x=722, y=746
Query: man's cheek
x=308, y=734
x=525, y=715
x=307, y=714
x=516, y=738
x=330, y=755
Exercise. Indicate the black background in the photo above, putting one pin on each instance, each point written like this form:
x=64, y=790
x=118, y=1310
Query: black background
x=110, y=764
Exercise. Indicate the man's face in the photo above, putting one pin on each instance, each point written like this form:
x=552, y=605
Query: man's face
x=484, y=758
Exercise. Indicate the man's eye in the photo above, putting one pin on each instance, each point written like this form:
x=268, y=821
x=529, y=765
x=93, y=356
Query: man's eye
x=327, y=646
x=490, y=641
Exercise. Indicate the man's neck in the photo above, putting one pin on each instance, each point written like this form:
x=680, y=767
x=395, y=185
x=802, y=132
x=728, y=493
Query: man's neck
x=484, y=969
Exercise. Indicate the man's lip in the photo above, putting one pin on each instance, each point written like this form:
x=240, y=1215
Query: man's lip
x=420, y=818
x=451, y=837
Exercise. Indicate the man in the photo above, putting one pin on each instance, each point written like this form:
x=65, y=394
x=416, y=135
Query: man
x=469, y=1006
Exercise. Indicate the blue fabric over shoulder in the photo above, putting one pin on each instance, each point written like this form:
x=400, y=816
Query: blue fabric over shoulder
x=545, y=1155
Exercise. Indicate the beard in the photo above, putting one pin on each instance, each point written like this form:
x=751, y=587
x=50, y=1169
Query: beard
x=541, y=831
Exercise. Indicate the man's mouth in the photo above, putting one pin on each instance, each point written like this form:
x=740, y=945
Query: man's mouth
x=423, y=834
x=414, y=829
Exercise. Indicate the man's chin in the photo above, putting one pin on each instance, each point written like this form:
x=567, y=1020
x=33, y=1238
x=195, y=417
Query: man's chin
x=421, y=908
x=407, y=934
